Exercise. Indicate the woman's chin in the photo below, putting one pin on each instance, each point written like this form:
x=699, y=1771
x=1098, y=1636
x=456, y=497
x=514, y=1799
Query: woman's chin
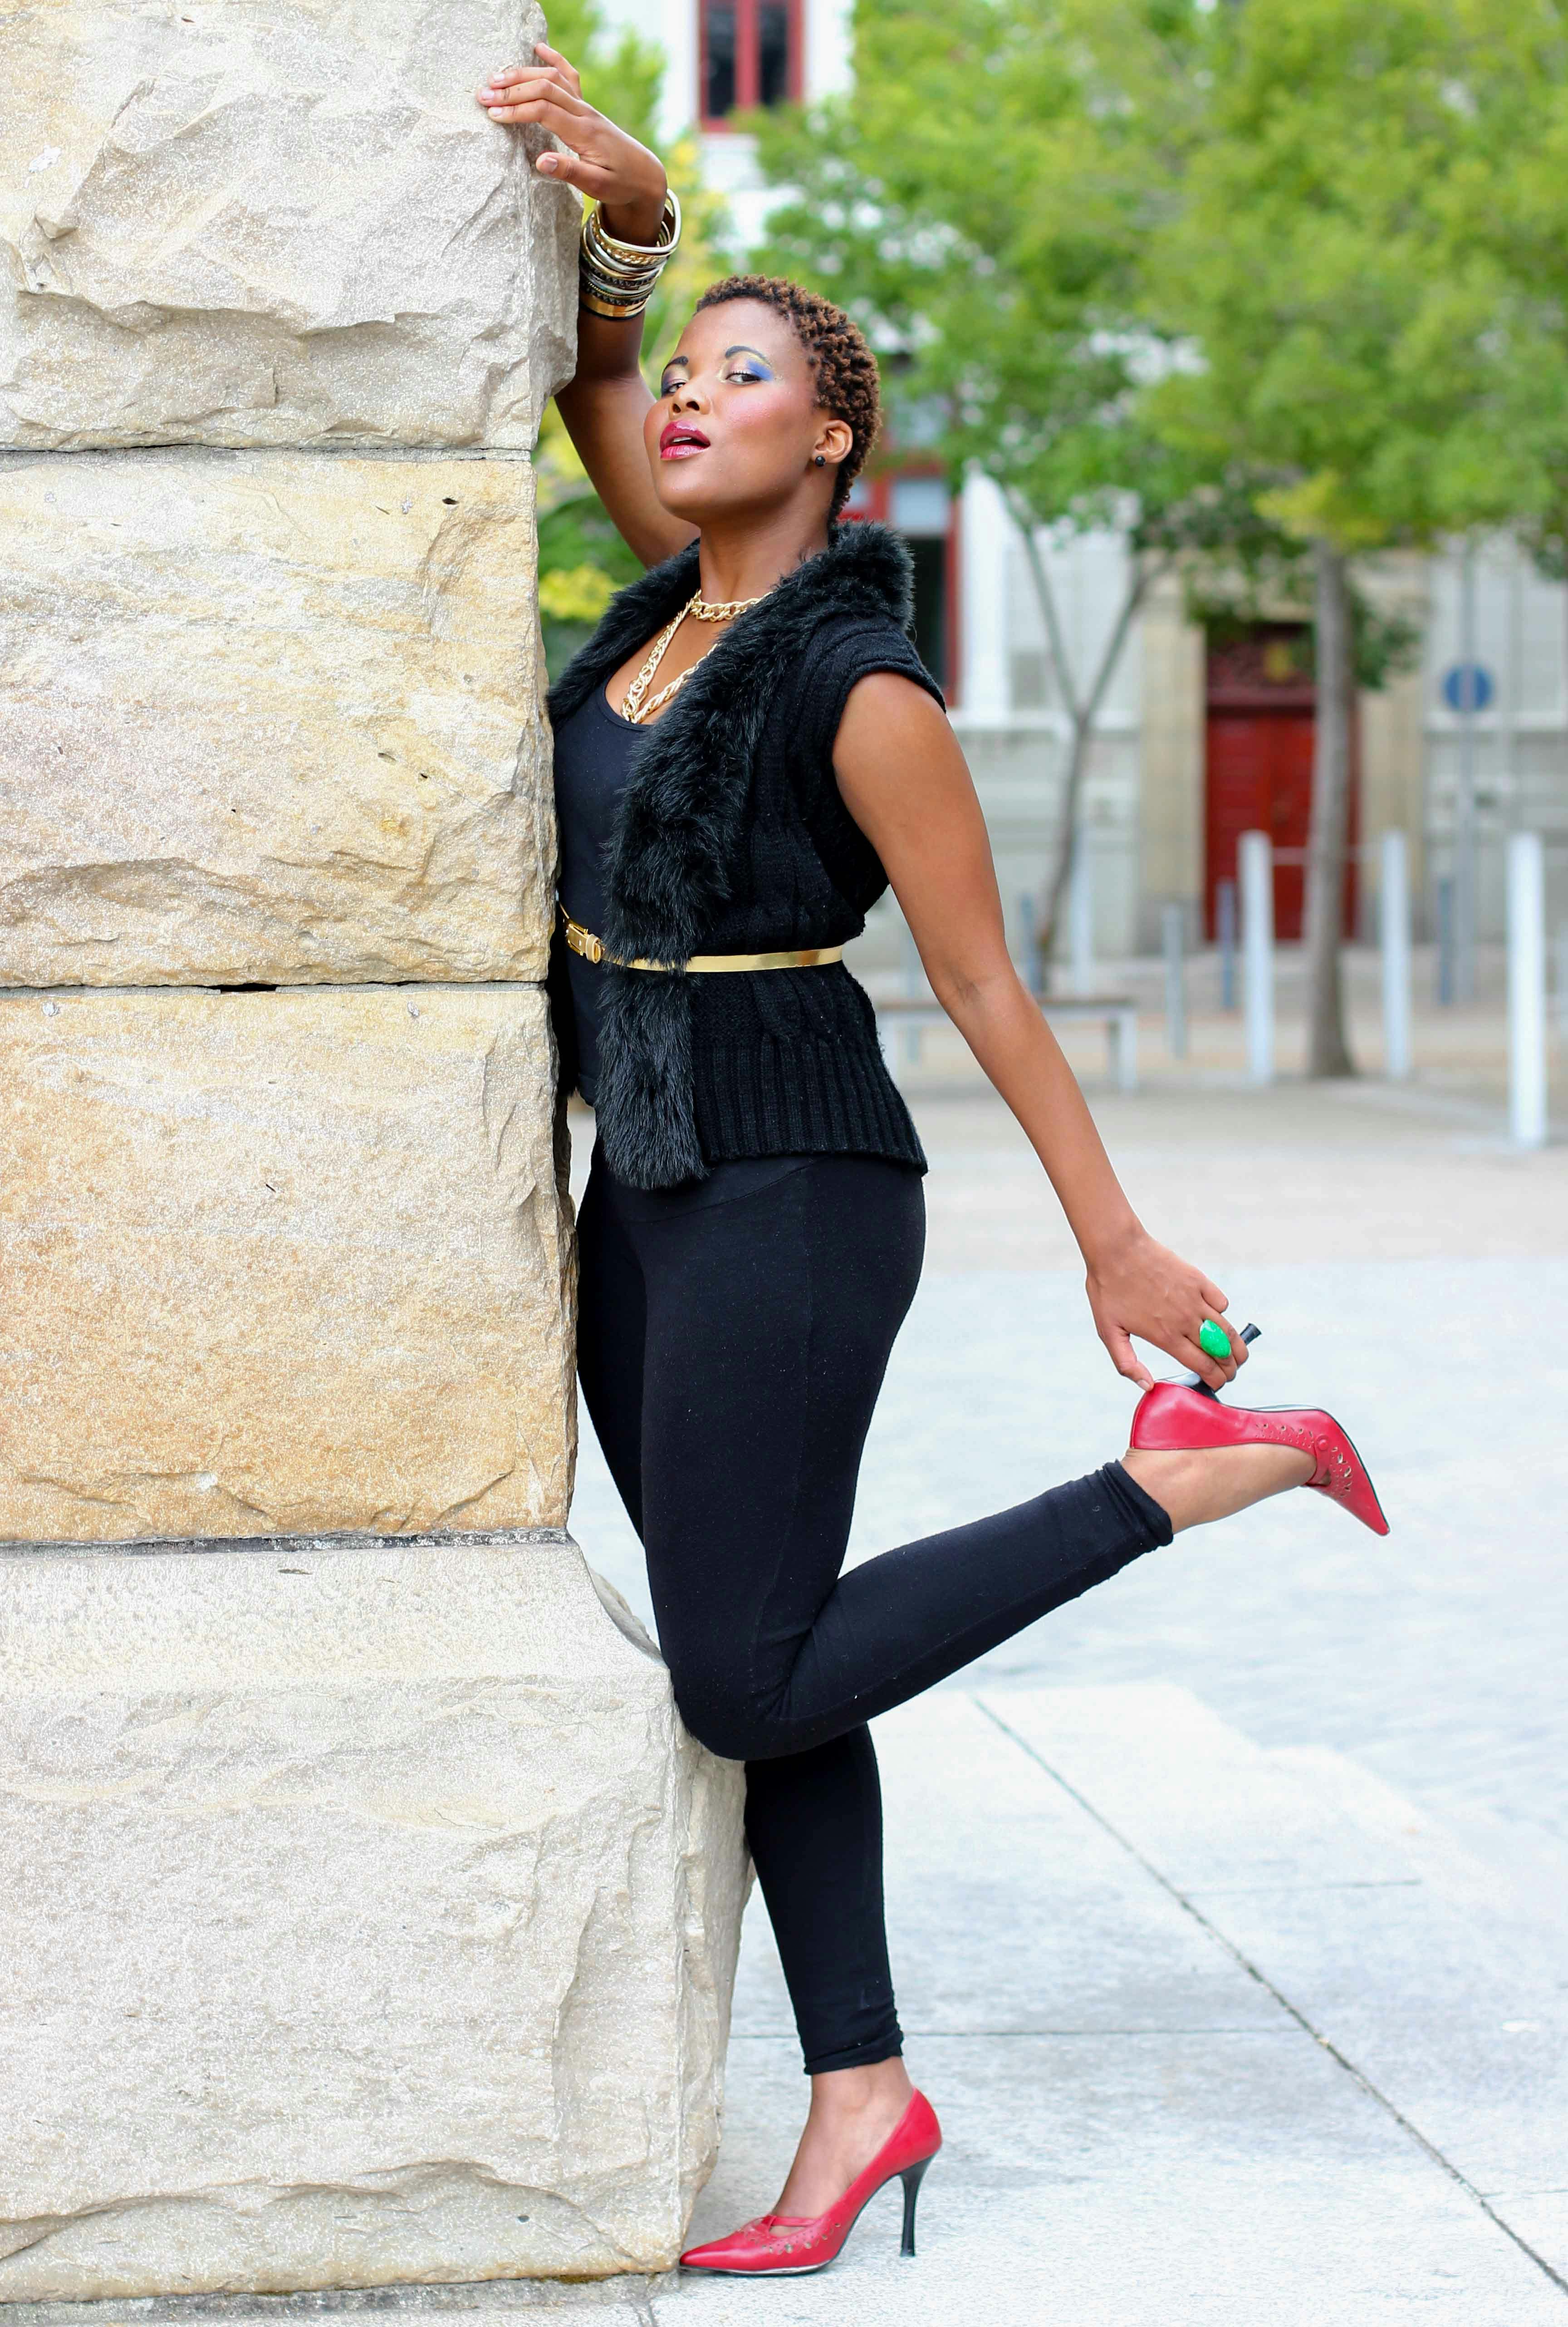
x=686, y=495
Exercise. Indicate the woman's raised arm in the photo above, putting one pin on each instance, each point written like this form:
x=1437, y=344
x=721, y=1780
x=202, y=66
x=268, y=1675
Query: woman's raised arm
x=604, y=402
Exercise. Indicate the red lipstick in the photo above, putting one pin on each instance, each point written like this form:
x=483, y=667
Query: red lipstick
x=678, y=439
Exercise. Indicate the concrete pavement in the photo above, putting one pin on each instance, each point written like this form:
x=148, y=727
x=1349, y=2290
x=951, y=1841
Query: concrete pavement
x=1230, y=1905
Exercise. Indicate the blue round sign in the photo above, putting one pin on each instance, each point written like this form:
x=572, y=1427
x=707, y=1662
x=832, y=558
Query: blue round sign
x=1468, y=687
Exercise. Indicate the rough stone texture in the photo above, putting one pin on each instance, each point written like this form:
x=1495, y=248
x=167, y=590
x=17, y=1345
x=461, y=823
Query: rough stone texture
x=369, y=1917
x=273, y=223
x=270, y=717
x=276, y=1262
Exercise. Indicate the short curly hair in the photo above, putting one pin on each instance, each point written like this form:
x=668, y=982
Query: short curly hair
x=841, y=363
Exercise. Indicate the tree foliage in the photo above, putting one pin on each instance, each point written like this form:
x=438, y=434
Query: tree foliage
x=583, y=560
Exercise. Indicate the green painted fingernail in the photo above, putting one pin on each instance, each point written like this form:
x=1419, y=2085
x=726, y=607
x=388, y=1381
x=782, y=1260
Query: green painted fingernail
x=1213, y=1339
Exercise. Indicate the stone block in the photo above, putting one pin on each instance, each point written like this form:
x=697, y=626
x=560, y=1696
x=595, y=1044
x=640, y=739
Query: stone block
x=280, y=1263
x=369, y=1917
x=274, y=224
x=270, y=717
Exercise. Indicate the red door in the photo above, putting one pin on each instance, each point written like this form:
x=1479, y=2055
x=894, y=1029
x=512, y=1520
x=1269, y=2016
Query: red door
x=1261, y=729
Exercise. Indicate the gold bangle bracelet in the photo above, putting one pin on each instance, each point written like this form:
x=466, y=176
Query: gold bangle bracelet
x=613, y=312
x=636, y=255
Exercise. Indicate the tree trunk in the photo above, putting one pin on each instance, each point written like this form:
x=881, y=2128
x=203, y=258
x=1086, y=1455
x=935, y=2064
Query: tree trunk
x=1082, y=710
x=1327, y=1051
x=1068, y=839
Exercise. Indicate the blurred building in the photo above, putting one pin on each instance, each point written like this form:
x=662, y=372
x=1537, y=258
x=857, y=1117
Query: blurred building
x=1199, y=737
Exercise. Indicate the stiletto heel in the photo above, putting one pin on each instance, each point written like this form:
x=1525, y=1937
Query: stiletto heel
x=1186, y=1415
x=912, y=2177
x=788, y=2245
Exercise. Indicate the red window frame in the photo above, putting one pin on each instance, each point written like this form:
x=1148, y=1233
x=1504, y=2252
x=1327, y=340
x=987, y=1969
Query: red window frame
x=749, y=57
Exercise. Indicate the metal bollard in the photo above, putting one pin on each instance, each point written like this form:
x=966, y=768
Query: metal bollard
x=1080, y=914
x=909, y=1038
x=1225, y=931
x=1394, y=930
x=1028, y=934
x=1255, y=862
x=1442, y=896
x=1527, y=989
x=1174, y=931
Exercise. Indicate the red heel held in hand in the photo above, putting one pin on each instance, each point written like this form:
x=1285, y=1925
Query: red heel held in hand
x=787, y=2245
x=1174, y=1418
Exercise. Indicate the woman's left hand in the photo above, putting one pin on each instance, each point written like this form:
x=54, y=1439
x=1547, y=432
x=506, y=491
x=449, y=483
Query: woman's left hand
x=600, y=159
x=1143, y=1288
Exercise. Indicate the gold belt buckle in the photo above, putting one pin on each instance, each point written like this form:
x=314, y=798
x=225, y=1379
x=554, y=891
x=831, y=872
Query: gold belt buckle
x=580, y=940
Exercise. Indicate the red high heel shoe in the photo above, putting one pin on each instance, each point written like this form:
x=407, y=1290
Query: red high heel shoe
x=1175, y=1417
x=788, y=2245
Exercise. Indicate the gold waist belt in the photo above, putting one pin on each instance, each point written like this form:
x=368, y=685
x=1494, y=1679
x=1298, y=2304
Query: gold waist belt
x=592, y=949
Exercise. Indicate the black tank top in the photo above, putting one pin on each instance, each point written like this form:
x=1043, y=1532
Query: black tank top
x=592, y=761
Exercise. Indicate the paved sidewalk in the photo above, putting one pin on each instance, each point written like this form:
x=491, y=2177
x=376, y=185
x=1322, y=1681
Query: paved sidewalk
x=1230, y=1906
x=1219, y=2037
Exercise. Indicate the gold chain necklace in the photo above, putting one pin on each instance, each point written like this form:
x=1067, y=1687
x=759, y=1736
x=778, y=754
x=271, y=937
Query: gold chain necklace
x=633, y=706
x=715, y=610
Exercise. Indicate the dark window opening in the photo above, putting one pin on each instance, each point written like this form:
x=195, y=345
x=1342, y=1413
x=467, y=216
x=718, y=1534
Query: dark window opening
x=773, y=52
x=718, y=60
x=751, y=55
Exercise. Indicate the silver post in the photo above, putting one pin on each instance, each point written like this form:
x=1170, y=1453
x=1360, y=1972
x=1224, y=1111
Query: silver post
x=1527, y=989
x=1029, y=937
x=1256, y=863
x=1464, y=823
x=1081, y=915
x=1394, y=928
x=1173, y=921
x=1442, y=907
x=910, y=1042
x=1225, y=931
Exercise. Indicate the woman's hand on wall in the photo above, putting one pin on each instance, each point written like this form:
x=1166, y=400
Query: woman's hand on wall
x=601, y=160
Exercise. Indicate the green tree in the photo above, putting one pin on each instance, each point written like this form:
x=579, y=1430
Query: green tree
x=583, y=560
x=1320, y=257
x=981, y=204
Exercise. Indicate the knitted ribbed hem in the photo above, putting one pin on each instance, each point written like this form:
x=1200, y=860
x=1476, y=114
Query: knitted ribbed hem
x=803, y=1099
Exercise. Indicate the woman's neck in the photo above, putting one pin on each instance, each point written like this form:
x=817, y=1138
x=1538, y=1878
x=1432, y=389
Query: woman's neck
x=746, y=559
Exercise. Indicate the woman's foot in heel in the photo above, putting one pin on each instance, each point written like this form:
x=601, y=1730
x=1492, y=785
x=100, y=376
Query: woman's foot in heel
x=789, y=2244
x=1202, y=1461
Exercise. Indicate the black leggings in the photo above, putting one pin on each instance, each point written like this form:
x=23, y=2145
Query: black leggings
x=734, y=1332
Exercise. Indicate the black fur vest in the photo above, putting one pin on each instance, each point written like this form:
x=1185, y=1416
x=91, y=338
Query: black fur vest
x=732, y=837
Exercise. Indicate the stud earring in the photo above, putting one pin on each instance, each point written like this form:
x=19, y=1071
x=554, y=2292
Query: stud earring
x=820, y=459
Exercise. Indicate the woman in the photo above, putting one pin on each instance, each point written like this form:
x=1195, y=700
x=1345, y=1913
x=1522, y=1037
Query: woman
x=747, y=751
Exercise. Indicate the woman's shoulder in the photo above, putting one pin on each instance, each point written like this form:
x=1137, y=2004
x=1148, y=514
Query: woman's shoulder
x=843, y=649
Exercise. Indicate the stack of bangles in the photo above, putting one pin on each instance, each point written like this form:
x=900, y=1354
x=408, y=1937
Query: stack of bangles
x=616, y=278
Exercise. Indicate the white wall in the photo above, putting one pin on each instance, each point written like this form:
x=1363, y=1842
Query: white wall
x=1521, y=754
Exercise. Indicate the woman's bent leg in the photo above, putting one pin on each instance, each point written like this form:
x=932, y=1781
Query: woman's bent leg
x=770, y=1318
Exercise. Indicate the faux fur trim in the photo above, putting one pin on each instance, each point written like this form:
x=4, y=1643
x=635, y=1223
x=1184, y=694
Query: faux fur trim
x=645, y=1108
x=679, y=820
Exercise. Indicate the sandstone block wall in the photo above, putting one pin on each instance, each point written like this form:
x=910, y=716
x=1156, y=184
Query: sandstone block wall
x=269, y=718
x=367, y=1915
x=281, y=1263
x=370, y=1916
x=253, y=223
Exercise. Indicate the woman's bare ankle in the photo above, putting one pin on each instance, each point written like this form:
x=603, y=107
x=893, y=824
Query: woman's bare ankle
x=853, y=2112
x=1201, y=1484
